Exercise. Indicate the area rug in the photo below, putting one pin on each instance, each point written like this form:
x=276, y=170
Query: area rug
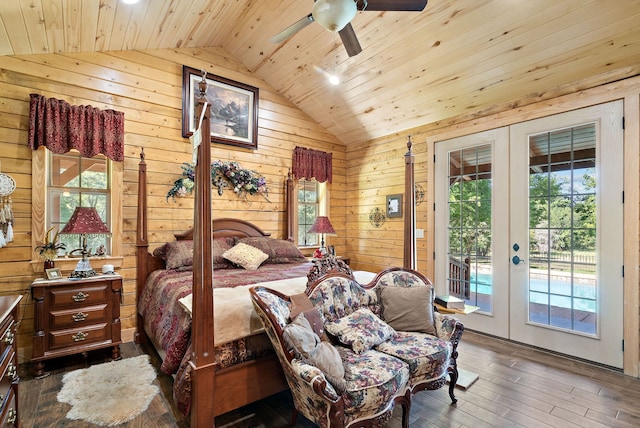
x=111, y=393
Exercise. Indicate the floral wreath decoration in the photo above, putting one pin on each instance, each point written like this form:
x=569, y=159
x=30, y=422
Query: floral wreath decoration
x=223, y=174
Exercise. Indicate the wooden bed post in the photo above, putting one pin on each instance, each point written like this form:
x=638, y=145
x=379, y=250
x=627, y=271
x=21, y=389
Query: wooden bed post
x=142, y=243
x=409, y=210
x=202, y=339
x=290, y=209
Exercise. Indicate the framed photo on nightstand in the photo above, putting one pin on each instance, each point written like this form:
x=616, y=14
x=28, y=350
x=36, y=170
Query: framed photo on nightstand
x=54, y=273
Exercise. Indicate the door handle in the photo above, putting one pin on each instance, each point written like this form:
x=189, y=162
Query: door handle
x=517, y=260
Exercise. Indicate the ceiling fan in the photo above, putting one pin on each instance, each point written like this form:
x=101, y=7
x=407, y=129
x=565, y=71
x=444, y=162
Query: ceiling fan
x=336, y=16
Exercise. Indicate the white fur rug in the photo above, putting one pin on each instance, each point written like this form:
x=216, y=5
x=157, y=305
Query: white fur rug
x=111, y=393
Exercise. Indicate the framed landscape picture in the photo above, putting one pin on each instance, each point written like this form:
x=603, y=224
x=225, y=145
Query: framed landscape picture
x=234, y=108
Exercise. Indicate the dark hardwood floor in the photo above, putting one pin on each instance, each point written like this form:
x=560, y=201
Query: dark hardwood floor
x=518, y=386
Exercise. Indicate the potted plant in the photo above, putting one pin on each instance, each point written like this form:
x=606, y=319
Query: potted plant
x=48, y=250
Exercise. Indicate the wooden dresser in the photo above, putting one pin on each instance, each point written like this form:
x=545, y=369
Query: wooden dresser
x=9, y=306
x=75, y=316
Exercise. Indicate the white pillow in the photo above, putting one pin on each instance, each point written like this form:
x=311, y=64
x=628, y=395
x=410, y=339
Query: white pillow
x=246, y=256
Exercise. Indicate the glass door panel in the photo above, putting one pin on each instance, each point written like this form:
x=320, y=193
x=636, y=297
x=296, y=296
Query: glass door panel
x=470, y=194
x=562, y=229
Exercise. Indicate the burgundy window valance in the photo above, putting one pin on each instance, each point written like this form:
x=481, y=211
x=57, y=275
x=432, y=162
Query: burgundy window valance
x=309, y=163
x=60, y=127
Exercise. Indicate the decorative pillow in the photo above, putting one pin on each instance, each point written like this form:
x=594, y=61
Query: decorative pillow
x=220, y=245
x=245, y=255
x=299, y=335
x=161, y=252
x=179, y=254
x=408, y=308
x=278, y=250
x=362, y=330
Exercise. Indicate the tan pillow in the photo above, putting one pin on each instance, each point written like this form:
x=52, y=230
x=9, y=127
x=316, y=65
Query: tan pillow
x=408, y=308
x=300, y=336
x=246, y=256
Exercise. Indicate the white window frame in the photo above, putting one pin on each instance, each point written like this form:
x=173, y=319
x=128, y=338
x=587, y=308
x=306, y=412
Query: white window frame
x=323, y=208
x=39, y=189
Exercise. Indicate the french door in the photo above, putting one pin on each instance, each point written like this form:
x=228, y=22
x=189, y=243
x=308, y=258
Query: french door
x=532, y=231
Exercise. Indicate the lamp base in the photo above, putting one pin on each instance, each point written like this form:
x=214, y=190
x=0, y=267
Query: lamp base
x=83, y=270
x=83, y=273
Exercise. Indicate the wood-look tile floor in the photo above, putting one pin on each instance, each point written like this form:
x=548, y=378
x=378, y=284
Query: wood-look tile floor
x=518, y=387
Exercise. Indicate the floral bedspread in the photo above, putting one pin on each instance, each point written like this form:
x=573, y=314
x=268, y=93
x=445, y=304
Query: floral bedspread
x=169, y=323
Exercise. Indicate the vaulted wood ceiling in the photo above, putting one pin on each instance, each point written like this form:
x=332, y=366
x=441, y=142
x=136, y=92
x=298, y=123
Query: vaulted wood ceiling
x=455, y=58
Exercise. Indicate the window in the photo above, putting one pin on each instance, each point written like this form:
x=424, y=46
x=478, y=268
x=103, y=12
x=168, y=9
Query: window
x=62, y=181
x=307, y=212
x=74, y=181
x=312, y=202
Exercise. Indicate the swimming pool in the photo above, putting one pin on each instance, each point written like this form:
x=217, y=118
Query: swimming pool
x=556, y=292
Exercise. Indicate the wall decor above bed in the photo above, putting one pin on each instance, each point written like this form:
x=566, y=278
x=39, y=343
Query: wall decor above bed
x=234, y=108
x=230, y=174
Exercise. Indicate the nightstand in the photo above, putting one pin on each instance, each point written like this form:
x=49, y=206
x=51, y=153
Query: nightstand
x=75, y=316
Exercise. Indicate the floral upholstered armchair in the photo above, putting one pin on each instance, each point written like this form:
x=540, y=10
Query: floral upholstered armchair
x=351, y=352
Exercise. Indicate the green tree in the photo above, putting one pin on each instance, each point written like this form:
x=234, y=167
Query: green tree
x=585, y=214
x=470, y=217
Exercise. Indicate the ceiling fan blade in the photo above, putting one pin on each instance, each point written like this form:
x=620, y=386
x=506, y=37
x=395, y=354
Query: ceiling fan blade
x=292, y=29
x=392, y=5
x=350, y=40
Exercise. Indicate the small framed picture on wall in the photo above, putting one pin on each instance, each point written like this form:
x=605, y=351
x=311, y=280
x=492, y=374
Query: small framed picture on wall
x=394, y=206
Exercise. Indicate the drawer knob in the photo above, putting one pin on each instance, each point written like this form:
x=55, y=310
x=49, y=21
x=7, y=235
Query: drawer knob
x=79, y=336
x=80, y=297
x=8, y=337
x=79, y=317
x=12, y=416
x=12, y=371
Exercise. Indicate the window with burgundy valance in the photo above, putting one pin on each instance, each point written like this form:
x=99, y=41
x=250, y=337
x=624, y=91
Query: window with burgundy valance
x=312, y=170
x=82, y=166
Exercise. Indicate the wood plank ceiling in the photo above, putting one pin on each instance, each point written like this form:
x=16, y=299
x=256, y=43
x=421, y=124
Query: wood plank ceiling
x=455, y=58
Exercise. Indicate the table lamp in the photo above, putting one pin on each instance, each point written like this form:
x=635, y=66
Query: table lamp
x=84, y=221
x=323, y=226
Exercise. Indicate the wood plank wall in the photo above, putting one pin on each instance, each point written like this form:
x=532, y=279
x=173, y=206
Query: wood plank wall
x=376, y=168
x=147, y=87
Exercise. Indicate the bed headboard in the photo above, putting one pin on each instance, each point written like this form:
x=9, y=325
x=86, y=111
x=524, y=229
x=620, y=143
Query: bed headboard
x=227, y=227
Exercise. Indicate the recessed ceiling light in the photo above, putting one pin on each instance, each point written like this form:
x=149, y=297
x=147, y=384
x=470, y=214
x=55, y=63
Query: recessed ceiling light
x=130, y=1
x=333, y=79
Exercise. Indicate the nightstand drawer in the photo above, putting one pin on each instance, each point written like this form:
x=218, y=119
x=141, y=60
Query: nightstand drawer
x=79, y=336
x=75, y=296
x=65, y=297
x=7, y=335
x=8, y=374
x=69, y=318
x=9, y=413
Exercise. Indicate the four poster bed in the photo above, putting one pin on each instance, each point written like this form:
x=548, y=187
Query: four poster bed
x=215, y=375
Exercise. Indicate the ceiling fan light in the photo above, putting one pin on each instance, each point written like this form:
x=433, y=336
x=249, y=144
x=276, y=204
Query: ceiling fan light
x=334, y=14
